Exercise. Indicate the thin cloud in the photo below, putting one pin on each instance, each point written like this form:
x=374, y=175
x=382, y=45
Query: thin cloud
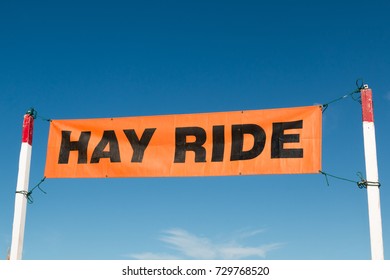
x=190, y=246
x=240, y=252
x=249, y=233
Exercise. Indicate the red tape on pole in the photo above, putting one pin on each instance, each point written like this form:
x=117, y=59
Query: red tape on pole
x=367, y=106
x=28, y=125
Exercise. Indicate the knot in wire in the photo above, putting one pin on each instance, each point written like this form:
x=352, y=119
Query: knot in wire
x=32, y=112
x=363, y=182
x=28, y=194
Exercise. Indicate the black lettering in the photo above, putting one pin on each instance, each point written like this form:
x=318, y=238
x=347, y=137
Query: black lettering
x=182, y=146
x=81, y=146
x=279, y=139
x=108, y=138
x=126, y=272
x=238, y=132
x=218, y=143
x=139, y=145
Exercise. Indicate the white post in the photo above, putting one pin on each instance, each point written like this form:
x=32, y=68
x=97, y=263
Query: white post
x=374, y=206
x=22, y=187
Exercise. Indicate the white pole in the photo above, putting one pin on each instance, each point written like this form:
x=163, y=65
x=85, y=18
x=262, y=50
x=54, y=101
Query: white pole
x=22, y=187
x=374, y=206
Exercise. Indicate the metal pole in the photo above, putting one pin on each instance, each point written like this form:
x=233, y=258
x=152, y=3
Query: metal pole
x=370, y=154
x=22, y=187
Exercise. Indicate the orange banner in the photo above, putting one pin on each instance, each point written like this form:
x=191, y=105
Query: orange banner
x=273, y=141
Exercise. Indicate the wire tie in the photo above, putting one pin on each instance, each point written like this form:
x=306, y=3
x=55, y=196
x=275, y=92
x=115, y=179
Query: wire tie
x=28, y=194
x=326, y=177
x=32, y=112
x=359, y=87
x=363, y=183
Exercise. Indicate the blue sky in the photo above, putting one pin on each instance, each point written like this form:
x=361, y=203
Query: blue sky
x=90, y=59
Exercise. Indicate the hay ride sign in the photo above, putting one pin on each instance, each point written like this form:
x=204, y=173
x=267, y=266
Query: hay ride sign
x=273, y=141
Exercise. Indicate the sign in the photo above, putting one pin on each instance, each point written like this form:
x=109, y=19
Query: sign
x=273, y=141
